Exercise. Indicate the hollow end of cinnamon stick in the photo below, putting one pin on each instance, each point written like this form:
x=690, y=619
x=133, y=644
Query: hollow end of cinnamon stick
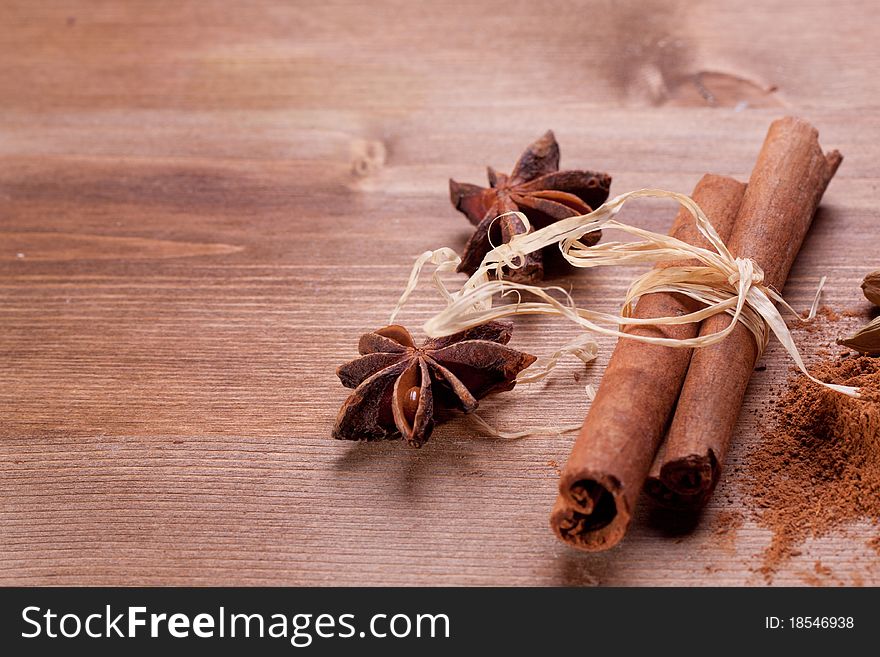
x=598, y=521
x=684, y=483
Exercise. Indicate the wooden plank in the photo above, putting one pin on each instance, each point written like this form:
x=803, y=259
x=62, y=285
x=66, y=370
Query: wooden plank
x=202, y=207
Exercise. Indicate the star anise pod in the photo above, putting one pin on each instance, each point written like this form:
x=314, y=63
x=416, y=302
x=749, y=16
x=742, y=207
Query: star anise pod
x=537, y=188
x=398, y=386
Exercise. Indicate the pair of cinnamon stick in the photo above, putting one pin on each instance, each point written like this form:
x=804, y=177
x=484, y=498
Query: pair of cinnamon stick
x=649, y=392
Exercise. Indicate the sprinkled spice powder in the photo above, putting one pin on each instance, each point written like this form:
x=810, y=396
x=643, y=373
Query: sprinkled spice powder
x=817, y=468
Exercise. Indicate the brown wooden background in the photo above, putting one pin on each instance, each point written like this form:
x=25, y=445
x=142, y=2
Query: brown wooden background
x=203, y=205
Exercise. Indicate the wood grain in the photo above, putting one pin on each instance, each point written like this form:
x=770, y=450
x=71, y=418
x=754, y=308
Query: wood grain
x=204, y=204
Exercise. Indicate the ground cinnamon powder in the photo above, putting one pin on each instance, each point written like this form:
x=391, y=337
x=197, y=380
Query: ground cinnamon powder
x=817, y=468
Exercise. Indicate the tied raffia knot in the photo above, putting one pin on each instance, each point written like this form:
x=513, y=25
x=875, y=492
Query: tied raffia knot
x=720, y=282
x=746, y=280
x=746, y=270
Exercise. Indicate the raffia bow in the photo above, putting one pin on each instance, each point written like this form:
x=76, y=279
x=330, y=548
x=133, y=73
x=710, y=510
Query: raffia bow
x=720, y=282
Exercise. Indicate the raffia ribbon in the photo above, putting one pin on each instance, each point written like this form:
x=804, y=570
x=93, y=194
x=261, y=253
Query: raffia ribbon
x=722, y=282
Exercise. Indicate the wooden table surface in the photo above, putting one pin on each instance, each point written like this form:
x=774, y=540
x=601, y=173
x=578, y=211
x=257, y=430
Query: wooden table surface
x=204, y=204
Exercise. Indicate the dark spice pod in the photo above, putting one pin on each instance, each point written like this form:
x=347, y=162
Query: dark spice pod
x=866, y=340
x=871, y=287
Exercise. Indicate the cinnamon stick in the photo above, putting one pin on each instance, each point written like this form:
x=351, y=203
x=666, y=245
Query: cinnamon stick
x=785, y=188
x=631, y=410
